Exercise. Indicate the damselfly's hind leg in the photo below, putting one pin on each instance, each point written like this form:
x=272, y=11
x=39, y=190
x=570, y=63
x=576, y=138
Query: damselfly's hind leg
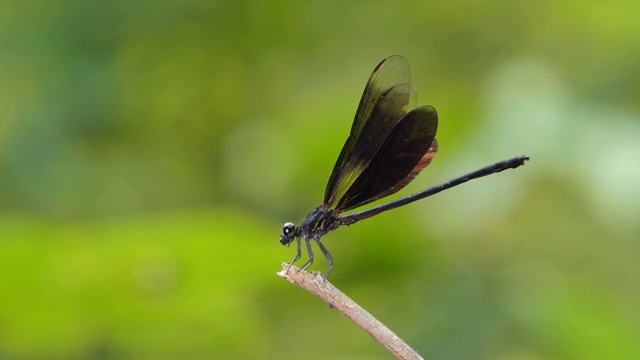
x=327, y=255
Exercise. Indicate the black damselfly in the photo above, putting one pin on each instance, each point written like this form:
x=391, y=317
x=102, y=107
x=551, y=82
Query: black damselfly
x=390, y=142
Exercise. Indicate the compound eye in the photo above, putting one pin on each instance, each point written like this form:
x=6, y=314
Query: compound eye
x=288, y=234
x=288, y=228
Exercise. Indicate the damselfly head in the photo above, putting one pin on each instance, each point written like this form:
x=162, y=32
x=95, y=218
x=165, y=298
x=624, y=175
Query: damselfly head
x=288, y=234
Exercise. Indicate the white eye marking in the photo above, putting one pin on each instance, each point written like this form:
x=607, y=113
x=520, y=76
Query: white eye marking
x=288, y=228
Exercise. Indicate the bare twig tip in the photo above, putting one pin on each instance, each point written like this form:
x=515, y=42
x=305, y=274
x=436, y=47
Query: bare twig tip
x=317, y=285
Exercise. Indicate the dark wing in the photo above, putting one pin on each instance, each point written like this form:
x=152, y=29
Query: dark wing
x=407, y=150
x=381, y=106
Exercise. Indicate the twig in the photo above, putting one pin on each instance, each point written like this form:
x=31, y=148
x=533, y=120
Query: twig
x=315, y=284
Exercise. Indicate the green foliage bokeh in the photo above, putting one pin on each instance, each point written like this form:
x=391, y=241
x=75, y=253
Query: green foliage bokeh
x=150, y=152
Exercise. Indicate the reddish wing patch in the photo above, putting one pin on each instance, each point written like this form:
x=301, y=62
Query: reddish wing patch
x=423, y=163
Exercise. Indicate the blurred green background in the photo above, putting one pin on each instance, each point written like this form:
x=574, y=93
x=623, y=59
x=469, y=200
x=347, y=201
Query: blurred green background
x=150, y=152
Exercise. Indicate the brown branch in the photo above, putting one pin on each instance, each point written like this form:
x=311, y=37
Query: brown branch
x=315, y=284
